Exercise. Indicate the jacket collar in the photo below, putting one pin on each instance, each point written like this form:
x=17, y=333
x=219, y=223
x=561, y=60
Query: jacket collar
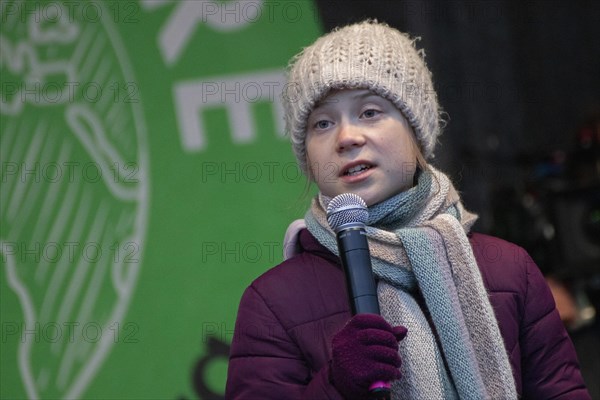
x=309, y=244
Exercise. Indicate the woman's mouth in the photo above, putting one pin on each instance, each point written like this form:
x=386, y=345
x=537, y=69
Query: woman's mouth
x=357, y=169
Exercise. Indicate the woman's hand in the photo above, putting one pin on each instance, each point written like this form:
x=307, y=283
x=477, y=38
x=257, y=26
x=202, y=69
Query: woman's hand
x=363, y=352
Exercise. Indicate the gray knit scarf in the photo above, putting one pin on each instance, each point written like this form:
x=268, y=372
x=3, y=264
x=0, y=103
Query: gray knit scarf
x=428, y=281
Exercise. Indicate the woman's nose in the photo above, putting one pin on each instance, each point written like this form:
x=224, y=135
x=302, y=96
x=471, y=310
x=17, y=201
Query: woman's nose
x=349, y=136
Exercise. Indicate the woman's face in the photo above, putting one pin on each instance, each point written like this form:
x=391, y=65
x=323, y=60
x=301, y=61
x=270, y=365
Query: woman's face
x=358, y=142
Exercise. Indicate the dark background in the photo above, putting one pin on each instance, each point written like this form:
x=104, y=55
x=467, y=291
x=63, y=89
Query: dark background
x=520, y=83
x=517, y=79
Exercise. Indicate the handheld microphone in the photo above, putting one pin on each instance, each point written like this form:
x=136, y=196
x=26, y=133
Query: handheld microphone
x=347, y=214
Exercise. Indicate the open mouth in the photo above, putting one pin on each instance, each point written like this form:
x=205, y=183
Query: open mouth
x=357, y=169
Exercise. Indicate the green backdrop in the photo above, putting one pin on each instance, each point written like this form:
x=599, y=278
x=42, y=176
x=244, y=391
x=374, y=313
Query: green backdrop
x=145, y=182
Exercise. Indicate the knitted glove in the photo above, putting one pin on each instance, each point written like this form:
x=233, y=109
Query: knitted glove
x=363, y=352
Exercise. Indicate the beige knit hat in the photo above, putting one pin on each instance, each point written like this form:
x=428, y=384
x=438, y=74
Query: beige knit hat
x=366, y=55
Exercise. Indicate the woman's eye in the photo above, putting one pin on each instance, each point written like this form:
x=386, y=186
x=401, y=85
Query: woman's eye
x=370, y=113
x=323, y=124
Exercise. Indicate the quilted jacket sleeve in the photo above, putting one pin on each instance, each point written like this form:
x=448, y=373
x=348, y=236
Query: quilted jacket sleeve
x=265, y=363
x=549, y=362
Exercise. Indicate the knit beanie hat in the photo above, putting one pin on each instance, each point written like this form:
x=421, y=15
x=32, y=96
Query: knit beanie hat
x=367, y=55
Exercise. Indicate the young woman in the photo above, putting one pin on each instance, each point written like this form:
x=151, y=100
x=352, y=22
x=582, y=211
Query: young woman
x=464, y=315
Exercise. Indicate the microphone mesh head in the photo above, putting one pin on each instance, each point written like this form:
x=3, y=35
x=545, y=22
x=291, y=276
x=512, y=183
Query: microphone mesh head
x=346, y=208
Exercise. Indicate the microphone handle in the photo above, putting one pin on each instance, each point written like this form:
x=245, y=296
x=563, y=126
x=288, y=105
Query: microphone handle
x=356, y=260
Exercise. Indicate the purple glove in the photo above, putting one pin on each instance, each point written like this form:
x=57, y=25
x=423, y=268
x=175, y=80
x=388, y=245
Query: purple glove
x=363, y=352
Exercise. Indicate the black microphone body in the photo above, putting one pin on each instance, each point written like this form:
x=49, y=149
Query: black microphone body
x=356, y=261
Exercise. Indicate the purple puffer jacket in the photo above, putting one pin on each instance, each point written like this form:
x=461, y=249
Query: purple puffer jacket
x=287, y=317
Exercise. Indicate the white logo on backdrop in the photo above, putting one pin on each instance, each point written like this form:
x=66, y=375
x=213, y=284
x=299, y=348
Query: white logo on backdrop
x=187, y=15
x=235, y=93
x=75, y=190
